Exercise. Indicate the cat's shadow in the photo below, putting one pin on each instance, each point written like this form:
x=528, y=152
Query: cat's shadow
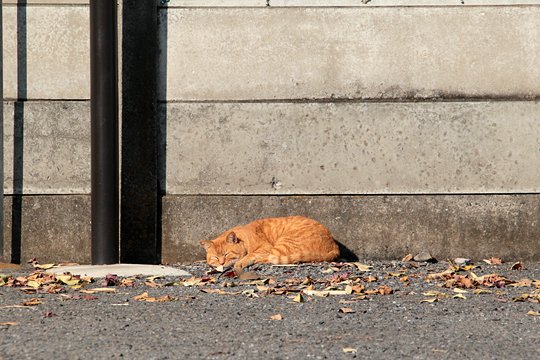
x=346, y=254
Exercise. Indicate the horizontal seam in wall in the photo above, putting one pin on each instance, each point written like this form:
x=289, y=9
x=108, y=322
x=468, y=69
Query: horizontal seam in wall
x=342, y=100
x=45, y=5
x=361, y=195
x=44, y=100
x=46, y=195
x=366, y=6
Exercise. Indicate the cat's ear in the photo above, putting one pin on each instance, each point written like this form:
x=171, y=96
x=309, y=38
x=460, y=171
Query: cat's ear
x=232, y=238
x=205, y=244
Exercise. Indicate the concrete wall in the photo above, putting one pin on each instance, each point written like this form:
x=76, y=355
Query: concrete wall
x=374, y=118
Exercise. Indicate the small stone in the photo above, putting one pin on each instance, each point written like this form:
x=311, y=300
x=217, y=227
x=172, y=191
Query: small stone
x=424, y=257
x=462, y=261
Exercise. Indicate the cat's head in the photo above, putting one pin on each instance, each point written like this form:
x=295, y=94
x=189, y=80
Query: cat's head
x=224, y=251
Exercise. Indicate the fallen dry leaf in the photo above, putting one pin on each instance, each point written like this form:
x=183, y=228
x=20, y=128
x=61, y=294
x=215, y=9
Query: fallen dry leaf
x=430, y=300
x=493, y=261
x=517, y=266
x=32, y=302
x=144, y=297
x=362, y=267
x=346, y=310
x=276, y=317
x=9, y=323
x=533, y=313
x=381, y=290
x=481, y=291
x=350, y=350
x=215, y=291
x=141, y=297
x=459, y=296
x=522, y=283
x=44, y=266
x=437, y=294
x=298, y=298
x=248, y=275
x=98, y=290
x=110, y=280
x=407, y=258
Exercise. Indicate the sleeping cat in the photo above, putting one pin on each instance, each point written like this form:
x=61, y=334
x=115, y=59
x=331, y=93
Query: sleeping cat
x=284, y=240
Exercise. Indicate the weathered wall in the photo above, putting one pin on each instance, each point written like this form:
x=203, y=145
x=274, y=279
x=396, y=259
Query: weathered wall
x=374, y=118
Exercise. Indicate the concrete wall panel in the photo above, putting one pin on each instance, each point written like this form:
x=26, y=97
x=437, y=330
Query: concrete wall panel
x=353, y=148
x=366, y=53
x=372, y=227
x=50, y=228
x=50, y=142
x=46, y=52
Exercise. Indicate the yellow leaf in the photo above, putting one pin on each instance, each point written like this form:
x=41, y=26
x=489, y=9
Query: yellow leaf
x=362, y=267
x=346, y=310
x=141, y=297
x=350, y=350
x=63, y=278
x=459, y=296
x=481, y=291
x=33, y=284
x=276, y=317
x=44, y=266
x=191, y=282
x=430, y=300
x=461, y=291
x=522, y=297
x=298, y=298
x=72, y=282
x=319, y=293
x=533, y=313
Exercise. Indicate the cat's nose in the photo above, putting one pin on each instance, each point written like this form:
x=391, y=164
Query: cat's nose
x=221, y=261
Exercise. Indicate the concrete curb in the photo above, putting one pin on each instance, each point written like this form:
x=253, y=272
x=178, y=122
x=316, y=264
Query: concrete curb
x=126, y=270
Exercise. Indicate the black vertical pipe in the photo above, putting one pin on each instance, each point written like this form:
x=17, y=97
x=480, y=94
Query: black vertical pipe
x=104, y=118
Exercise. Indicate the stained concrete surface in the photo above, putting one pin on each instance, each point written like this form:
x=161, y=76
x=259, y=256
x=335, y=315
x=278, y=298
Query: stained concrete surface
x=373, y=227
x=57, y=228
x=351, y=148
x=350, y=53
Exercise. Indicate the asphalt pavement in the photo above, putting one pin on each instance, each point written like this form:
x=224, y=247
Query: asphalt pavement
x=378, y=310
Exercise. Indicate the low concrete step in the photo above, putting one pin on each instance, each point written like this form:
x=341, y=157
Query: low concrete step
x=125, y=270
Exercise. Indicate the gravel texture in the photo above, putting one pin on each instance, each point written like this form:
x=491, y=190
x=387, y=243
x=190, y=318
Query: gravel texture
x=193, y=324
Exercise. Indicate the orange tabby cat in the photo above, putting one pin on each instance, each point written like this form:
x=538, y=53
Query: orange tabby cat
x=285, y=240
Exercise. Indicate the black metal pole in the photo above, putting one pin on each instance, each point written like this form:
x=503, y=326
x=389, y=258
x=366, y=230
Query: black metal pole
x=104, y=118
